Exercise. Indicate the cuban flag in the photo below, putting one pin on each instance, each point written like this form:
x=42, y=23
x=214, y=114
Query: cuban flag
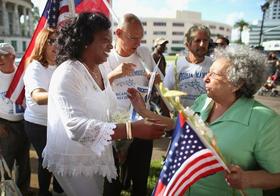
x=54, y=14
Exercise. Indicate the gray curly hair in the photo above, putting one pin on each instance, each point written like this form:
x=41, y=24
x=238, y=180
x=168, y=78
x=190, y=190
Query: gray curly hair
x=247, y=68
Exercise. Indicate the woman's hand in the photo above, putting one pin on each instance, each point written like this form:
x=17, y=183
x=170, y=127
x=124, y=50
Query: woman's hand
x=136, y=100
x=237, y=178
x=147, y=129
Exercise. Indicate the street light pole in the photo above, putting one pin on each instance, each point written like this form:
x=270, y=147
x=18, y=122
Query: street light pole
x=264, y=7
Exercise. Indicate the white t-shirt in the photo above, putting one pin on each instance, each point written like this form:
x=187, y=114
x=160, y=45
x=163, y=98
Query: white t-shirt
x=79, y=131
x=8, y=110
x=36, y=76
x=144, y=62
x=189, y=78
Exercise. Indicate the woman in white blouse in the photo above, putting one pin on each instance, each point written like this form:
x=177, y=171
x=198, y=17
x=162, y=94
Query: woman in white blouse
x=41, y=65
x=81, y=101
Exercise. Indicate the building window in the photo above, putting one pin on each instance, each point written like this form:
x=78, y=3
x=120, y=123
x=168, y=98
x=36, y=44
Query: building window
x=1, y=17
x=222, y=28
x=159, y=23
x=14, y=44
x=177, y=42
x=23, y=46
x=178, y=24
x=11, y=22
x=212, y=27
x=177, y=33
x=145, y=32
x=143, y=41
x=159, y=33
x=177, y=49
x=1, y=41
x=144, y=23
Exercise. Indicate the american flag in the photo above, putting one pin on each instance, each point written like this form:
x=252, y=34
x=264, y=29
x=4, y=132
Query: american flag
x=55, y=13
x=187, y=161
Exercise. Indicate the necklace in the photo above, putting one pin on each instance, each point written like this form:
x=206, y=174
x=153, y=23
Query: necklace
x=96, y=76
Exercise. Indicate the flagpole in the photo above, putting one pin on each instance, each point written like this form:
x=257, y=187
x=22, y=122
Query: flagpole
x=72, y=10
x=111, y=11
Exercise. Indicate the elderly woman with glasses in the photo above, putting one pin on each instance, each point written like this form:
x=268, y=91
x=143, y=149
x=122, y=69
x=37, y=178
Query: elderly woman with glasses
x=40, y=67
x=247, y=132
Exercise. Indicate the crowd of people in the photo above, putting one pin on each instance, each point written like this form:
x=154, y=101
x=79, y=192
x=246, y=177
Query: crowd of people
x=76, y=80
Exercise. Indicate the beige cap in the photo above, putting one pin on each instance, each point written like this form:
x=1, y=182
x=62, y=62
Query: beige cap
x=6, y=48
x=160, y=41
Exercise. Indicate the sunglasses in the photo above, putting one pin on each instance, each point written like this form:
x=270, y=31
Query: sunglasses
x=51, y=41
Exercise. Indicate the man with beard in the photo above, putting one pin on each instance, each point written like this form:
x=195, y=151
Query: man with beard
x=188, y=71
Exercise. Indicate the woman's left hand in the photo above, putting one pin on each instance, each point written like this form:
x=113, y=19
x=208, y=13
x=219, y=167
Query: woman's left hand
x=237, y=178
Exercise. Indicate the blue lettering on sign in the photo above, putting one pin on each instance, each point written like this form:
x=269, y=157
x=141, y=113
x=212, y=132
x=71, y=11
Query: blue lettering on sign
x=185, y=76
x=200, y=74
x=138, y=73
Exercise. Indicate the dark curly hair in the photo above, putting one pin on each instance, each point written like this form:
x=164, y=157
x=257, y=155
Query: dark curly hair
x=78, y=33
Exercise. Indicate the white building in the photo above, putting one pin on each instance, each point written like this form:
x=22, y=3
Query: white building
x=173, y=29
x=271, y=25
x=16, y=23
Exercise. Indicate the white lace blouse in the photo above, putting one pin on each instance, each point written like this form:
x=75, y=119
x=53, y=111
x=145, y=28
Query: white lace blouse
x=78, y=135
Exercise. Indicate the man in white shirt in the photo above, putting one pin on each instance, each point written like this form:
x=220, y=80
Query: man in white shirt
x=188, y=72
x=127, y=66
x=14, y=145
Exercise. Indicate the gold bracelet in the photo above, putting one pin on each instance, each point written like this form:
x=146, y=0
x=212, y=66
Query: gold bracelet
x=128, y=130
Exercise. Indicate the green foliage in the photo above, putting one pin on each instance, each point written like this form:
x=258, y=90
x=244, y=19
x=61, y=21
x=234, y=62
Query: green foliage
x=170, y=58
x=153, y=177
x=154, y=174
x=241, y=25
x=36, y=15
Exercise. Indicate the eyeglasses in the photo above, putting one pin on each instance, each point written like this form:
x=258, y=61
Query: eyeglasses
x=214, y=75
x=51, y=41
x=128, y=36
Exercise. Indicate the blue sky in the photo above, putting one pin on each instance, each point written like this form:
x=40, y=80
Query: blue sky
x=225, y=11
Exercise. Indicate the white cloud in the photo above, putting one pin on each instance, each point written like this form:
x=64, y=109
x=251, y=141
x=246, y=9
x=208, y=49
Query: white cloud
x=233, y=17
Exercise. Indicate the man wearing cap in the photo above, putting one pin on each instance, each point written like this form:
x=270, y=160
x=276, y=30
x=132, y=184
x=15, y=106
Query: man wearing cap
x=14, y=145
x=188, y=71
x=157, y=103
x=159, y=48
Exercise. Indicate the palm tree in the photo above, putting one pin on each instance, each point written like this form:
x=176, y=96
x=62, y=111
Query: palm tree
x=241, y=24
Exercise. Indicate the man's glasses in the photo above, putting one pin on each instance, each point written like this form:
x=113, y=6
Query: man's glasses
x=3, y=56
x=130, y=37
x=51, y=41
